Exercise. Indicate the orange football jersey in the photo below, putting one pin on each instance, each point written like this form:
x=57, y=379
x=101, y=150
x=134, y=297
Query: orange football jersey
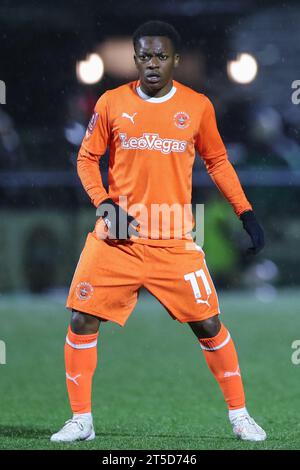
x=152, y=143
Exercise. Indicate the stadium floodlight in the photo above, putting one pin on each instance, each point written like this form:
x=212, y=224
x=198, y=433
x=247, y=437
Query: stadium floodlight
x=91, y=70
x=242, y=70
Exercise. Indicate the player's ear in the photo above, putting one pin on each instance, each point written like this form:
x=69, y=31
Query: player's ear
x=176, y=60
x=135, y=59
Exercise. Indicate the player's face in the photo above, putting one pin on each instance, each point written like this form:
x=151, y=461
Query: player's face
x=155, y=59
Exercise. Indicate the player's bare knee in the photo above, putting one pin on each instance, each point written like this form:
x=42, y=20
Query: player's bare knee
x=212, y=326
x=206, y=328
x=83, y=324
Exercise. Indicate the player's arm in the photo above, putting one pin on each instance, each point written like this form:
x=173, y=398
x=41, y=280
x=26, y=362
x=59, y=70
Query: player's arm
x=214, y=155
x=90, y=176
x=94, y=145
x=120, y=224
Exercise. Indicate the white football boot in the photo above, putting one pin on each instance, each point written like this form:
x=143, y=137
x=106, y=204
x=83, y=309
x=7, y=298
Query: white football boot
x=79, y=428
x=245, y=428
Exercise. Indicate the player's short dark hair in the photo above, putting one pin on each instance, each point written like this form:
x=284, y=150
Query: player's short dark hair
x=157, y=28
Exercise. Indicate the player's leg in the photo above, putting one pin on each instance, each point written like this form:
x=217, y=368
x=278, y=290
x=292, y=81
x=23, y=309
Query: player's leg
x=188, y=293
x=221, y=357
x=83, y=323
x=206, y=328
x=104, y=287
x=80, y=363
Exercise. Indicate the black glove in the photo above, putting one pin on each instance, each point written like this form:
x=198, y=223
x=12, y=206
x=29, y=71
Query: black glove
x=255, y=231
x=120, y=224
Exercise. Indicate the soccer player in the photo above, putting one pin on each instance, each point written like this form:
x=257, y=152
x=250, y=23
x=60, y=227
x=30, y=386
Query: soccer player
x=152, y=127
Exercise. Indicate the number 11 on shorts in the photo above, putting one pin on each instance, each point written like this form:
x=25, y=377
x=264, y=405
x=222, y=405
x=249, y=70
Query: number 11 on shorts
x=192, y=278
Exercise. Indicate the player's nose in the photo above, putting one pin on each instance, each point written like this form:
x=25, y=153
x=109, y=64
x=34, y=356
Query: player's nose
x=153, y=63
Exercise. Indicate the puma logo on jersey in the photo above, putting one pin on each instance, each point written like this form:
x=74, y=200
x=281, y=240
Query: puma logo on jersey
x=73, y=379
x=150, y=141
x=131, y=118
x=231, y=374
x=199, y=301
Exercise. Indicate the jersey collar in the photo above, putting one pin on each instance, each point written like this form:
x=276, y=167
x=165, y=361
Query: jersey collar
x=151, y=99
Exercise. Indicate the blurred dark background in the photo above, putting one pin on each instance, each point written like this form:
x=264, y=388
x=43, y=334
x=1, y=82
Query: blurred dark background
x=245, y=55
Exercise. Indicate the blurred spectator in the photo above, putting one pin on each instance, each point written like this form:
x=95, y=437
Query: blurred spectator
x=79, y=111
x=267, y=131
x=11, y=152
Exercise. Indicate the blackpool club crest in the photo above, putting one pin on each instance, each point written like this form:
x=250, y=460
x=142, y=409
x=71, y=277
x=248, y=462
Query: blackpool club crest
x=182, y=120
x=84, y=291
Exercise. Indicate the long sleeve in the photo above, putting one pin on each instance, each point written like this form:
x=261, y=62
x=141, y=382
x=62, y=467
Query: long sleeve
x=93, y=146
x=90, y=176
x=213, y=152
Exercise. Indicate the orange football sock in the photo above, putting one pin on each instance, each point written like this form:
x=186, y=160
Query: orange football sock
x=80, y=361
x=221, y=357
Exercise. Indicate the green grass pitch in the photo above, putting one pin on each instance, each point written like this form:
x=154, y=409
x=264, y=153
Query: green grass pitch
x=152, y=389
